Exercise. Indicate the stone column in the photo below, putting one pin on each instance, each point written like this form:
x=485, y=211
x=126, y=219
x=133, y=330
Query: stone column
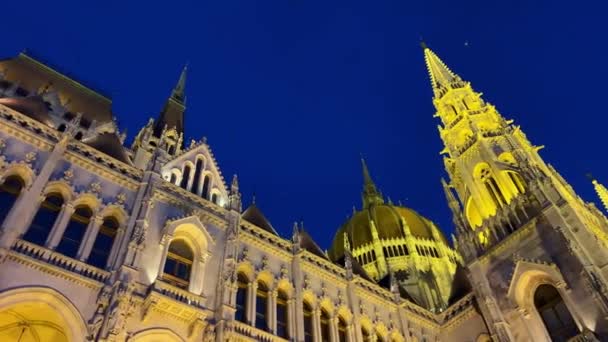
x=115, y=246
x=86, y=245
x=60, y=226
x=252, y=288
x=164, y=248
x=333, y=328
x=291, y=322
x=272, y=310
x=316, y=322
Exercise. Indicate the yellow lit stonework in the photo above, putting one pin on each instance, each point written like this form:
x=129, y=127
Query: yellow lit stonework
x=149, y=243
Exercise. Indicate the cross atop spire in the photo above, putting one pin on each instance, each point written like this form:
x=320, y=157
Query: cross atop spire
x=178, y=92
x=441, y=76
x=370, y=194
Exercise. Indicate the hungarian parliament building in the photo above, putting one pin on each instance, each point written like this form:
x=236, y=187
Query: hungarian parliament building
x=105, y=242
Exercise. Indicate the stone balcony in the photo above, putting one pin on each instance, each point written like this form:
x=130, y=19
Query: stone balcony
x=242, y=332
x=58, y=264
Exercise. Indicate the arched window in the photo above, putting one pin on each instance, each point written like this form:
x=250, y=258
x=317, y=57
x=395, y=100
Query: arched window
x=185, y=177
x=72, y=237
x=197, y=176
x=308, y=325
x=282, y=315
x=241, y=298
x=367, y=336
x=491, y=186
x=342, y=332
x=103, y=242
x=205, y=192
x=214, y=198
x=178, y=264
x=78, y=136
x=173, y=178
x=61, y=128
x=261, y=306
x=172, y=149
x=554, y=313
x=325, y=326
x=9, y=191
x=44, y=220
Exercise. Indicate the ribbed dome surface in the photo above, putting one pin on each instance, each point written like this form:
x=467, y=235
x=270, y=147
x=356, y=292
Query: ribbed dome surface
x=389, y=221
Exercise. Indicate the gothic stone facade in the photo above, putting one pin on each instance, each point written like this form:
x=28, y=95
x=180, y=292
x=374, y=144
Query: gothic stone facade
x=100, y=242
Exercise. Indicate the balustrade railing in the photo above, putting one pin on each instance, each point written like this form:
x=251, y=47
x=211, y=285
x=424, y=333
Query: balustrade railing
x=254, y=333
x=176, y=293
x=59, y=260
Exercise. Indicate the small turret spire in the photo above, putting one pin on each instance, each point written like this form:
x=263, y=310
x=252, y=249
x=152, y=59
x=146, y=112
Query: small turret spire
x=441, y=76
x=370, y=194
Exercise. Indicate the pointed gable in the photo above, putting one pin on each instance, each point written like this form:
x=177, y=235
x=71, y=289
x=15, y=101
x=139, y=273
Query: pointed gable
x=254, y=215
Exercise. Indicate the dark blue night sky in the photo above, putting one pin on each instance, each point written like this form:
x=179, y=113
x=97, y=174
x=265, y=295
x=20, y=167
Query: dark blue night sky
x=290, y=93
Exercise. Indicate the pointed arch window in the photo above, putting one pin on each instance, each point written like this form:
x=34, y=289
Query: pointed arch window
x=325, y=321
x=241, y=298
x=491, y=186
x=45, y=219
x=308, y=323
x=9, y=191
x=342, y=331
x=186, y=177
x=554, y=313
x=197, y=176
x=178, y=264
x=172, y=150
x=104, y=242
x=282, y=315
x=205, y=192
x=74, y=232
x=261, y=306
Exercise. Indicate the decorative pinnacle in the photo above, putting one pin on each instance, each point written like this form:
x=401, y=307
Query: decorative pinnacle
x=179, y=90
x=601, y=191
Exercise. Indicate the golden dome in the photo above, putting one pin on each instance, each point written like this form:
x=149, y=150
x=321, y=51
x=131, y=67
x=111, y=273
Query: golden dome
x=390, y=222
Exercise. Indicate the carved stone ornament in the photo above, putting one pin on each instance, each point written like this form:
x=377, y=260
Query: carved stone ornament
x=95, y=187
x=284, y=272
x=121, y=198
x=68, y=175
x=30, y=157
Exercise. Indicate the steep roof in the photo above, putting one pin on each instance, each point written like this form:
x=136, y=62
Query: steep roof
x=109, y=143
x=33, y=75
x=307, y=243
x=33, y=106
x=254, y=215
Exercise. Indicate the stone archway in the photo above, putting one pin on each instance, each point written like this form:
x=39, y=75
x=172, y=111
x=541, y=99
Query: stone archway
x=34, y=314
x=156, y=335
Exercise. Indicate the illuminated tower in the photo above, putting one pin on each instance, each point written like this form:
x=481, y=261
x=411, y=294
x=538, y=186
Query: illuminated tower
x=512, y=206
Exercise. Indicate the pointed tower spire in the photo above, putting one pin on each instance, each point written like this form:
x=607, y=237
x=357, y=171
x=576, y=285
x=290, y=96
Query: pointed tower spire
x=442, y=78
x=370, y=194
x=601, y=191
x=172, y=115
x=178, y=92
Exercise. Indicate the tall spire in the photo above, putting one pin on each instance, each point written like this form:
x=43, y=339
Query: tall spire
x=441, y=76
x=370, y=194
x=602, y=192
x=172, y=115
x=179, y=90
